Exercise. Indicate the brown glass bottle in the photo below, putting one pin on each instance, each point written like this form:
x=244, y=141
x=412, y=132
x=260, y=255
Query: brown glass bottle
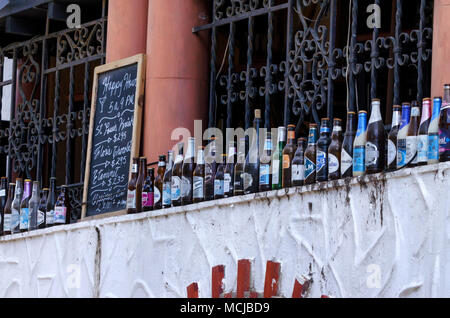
x=219, y=178
x=3, y=198
x=239, y=169
x=347, y=146
x=412, y=136
x=310, y=155
x=131, y=197
x=334, y=151
x=444, y=126
x=376, y=141
x=41, y=220
x=288, y=154
x=199, y=177
x=159, y=181
x=140, y=183
x=51, y=201
x=187, y=173
x=210, y=169
x=62, y=208
x=177, y=174
x=8, y=210
x=167, y=182
x=228, y=185
x=24, y=207
x=298, y=164
x=148, y=191
x=391, y=158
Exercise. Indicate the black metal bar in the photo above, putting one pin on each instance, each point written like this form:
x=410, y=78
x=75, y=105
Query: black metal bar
x=12, y=113
x=420, y=47
x=289, y=35
x=230, y=86
x=397, y=52
x=268, y=80
x=248, y=79
x=75, y=63
x=352, y=58
x=331, y=62
x=374, y=57
x=85, y=122
x=70, y=127
x=55, y=123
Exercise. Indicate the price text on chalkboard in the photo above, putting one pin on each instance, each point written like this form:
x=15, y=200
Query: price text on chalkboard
x=114, y=136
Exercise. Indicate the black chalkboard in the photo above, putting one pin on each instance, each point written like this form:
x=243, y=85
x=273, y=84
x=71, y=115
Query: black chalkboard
x=114, y=136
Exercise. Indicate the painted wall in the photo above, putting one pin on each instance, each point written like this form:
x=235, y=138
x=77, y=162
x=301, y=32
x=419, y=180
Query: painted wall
x=384, y=236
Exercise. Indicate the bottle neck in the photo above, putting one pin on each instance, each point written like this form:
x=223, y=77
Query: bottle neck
x=426, y=112
x=350, y=124
x=27, y=190
x=201, y=157
x=190, y=150
x=11, y=191
x=396, y=118
x=375, y=116
x=35, y=190
x=312, y=140
x=362, y=125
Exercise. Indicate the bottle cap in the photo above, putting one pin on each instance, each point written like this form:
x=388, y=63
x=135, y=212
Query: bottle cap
x=396, y=106
x=291, y=126
x=362, y=112
x=257, y=113
x=28, y=180
x=312, y=125
x=338, y=119
x=353, y=113
x=46, y=189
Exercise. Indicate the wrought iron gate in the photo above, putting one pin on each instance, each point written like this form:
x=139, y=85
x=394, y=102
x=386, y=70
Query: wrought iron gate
x=303, y=62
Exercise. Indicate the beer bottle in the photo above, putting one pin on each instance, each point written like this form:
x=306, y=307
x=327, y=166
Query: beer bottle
x=288, y=154
x=310, y=155
x=322, y=151
x=347, y=146
x=177, y=174
x=265, y=177
x=199, y=177
x=187, y=173
x=8, y=210
x=210, y=169
x=3, y=198
x=219, y=179
x=444, y=127
x=131, y=197
x=298, y=164
x=376, y=141
x=62, y=210
x=167, y=182
x=42, y=209
x=25, y=207
x=34, y=207
x=391, y=162
x=159, y=182
x=239, y=169
x=411, y=137
x=433, y=132
x=277, y=160
x=402, y=134
x=148, y=191
x=251, y=167
x=15, y=210
x=359, y=146
x=334, y=151
x=228, y=183
x=51, y=201
x=140, y=184
x=422, y=139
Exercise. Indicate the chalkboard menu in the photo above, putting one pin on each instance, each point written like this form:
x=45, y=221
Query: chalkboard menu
x=114, y=136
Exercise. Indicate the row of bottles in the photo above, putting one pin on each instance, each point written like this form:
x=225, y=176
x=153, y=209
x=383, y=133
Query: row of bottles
x=24, y=207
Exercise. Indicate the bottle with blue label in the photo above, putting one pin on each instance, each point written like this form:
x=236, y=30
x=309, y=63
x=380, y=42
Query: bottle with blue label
x=24, y=207
x=402, y=134
x=359, y=145
x=265, y=176
x=444, y=127
x=310, y=155
x=322, y=151
x=433, y=132
x=15, y=209
x=176, y=176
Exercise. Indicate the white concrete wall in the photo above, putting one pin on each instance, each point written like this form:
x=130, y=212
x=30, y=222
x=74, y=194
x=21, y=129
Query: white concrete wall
x=343, y=234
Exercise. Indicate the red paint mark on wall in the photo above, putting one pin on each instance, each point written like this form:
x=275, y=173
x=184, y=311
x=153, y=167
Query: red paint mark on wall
x=271, y=282
x=192, y=290
x=218, y=274
x=243, y=277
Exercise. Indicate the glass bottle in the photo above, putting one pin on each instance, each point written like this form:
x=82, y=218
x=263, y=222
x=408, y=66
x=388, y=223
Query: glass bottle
x=187, y=173
x=411, y=137
x=376, y=141
x=277, y=160
x=42, y=209
x=210, y=169
x=131, y=197
x=359, y=146
x=433, y=132
x=159, y=181
x=444, y=127
x=335, y=151
x=265, y=175
x=322, y=151
x=140, y=184
x=62, y=210
x=148, y=191
x=219, y=179
x=252, y=161
x=402, y=134
x=51, y=201
x=15, y=210
x=8, y=210
x=392, y=138
x=34, y=207
x=347, y=146
x=422, y=143
x=176, y=177
x=298, y=164
x=3, y=199
x=167, y=182
x=25, y=207
x=228, y=185
x=199, y=177
x=239, y=169
x=310, y=155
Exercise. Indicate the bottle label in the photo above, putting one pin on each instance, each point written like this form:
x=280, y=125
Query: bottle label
x=24, y=216
x=286, y=162
x=411, y=149
x=15, y=219
x=321, y=160
x=401, y=153
x=7, y=223
x=218, y=187
x=50, y=217
x=392, y=152
x=186, y=187
x=298, y=173
x=359, y=162
x=333, y=164
x=276, y=172
x=264, y=174
x=176, y=188
x=422, y=148
x=198, y=188
x=226, y=183
x=444, y=140
x=346, y=162
x=148, y=199
x=131, y=200
x=60, y=215
x=372, y=154
x=40, y=217
x=134, y=168
x=248, y=180
x=433, y=147
x=157, y=195
x=2, y=193
x=310, y=168
x=167, y=194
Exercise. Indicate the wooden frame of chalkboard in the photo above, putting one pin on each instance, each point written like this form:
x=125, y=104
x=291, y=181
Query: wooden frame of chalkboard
x=116, y=108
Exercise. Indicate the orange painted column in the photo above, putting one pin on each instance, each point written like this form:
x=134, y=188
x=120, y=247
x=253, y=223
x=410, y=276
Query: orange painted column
x=177, y=72
x=127, y=29
x=441, y=47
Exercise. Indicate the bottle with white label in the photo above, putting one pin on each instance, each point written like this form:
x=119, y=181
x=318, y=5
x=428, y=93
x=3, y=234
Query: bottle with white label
x=199, y=177
x=265, y=176
x=228, y=179
x=167, y=182
x=310, y=155
x=391, y=161
x=219, y=179
x=42, y=209
x=176, y=177
x=422, y=139
x=376, y=141
x=51, y=201
x=3, y=198
x=131, y=195
x=433, y=132
x=277, y=160
x=34, y=207
x=411, y=137
x=8, y=210
x=187, y=174
x=359, y=146
x=25, y=207
x=335, y=151
x=298, y=164
x=322, y=150
x=402, y=133
x=15, y=210
x=239, y=169
x=288, y=154
x=62, y=211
